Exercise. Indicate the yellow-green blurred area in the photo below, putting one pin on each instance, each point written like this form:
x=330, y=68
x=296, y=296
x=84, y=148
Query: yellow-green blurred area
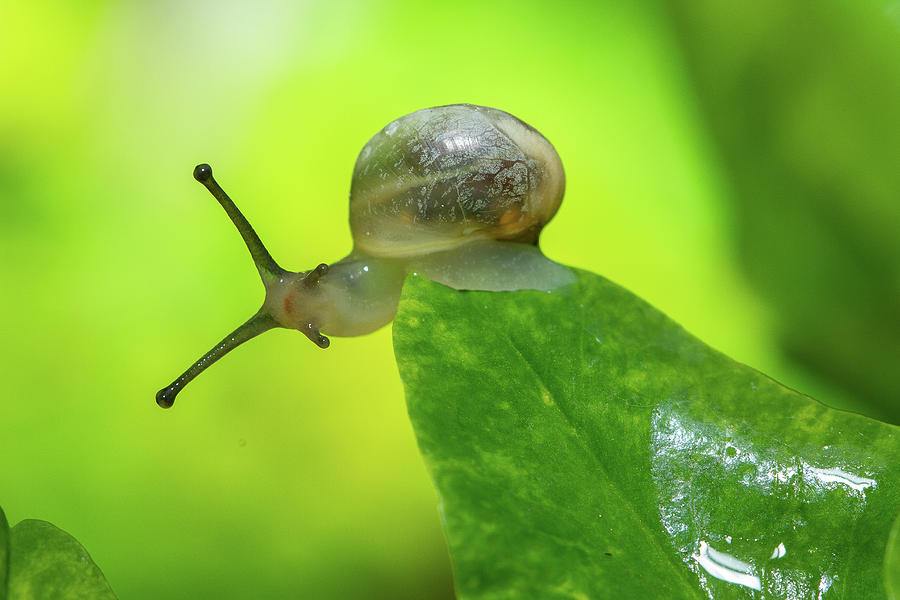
x=735, y=166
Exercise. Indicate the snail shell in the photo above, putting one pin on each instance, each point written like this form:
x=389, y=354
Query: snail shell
x=442, y=177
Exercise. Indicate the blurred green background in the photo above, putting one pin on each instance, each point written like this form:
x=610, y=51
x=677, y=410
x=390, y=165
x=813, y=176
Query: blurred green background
x=737, y=167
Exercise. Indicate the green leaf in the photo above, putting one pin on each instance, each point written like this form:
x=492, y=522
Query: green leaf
x=892, y=563
x=4, y=554
x=803, y=101
x=586, y=446
x=48, y=563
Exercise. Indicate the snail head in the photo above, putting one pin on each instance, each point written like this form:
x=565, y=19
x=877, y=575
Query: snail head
x=290, y=302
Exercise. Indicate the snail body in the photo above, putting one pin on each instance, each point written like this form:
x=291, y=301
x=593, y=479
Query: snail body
x=457, y=193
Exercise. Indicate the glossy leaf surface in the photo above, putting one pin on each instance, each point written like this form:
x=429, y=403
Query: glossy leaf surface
x=586, y=446
x=46, y=563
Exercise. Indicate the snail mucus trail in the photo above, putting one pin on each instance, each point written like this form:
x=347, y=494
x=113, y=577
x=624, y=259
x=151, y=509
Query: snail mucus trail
x=458, y=194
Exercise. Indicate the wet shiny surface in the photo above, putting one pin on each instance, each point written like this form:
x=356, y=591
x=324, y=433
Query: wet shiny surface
x=746, y=513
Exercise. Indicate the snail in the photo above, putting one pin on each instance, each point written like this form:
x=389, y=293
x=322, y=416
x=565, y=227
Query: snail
x=457, y=193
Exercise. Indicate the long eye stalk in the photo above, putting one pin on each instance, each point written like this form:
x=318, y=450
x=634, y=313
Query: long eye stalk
x=257, y=324
x=268, y=268
x=262, y=321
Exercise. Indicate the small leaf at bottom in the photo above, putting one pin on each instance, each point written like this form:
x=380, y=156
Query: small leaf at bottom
x=46, y=563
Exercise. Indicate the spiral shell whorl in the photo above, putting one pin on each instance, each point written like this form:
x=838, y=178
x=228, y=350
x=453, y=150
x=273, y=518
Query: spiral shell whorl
x=441, y=177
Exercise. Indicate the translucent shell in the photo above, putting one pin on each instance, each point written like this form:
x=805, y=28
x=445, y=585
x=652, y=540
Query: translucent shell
x=442, y=177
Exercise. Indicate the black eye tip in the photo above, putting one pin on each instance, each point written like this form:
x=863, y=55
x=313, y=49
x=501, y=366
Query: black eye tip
x=166, y=396
x=203, y=172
